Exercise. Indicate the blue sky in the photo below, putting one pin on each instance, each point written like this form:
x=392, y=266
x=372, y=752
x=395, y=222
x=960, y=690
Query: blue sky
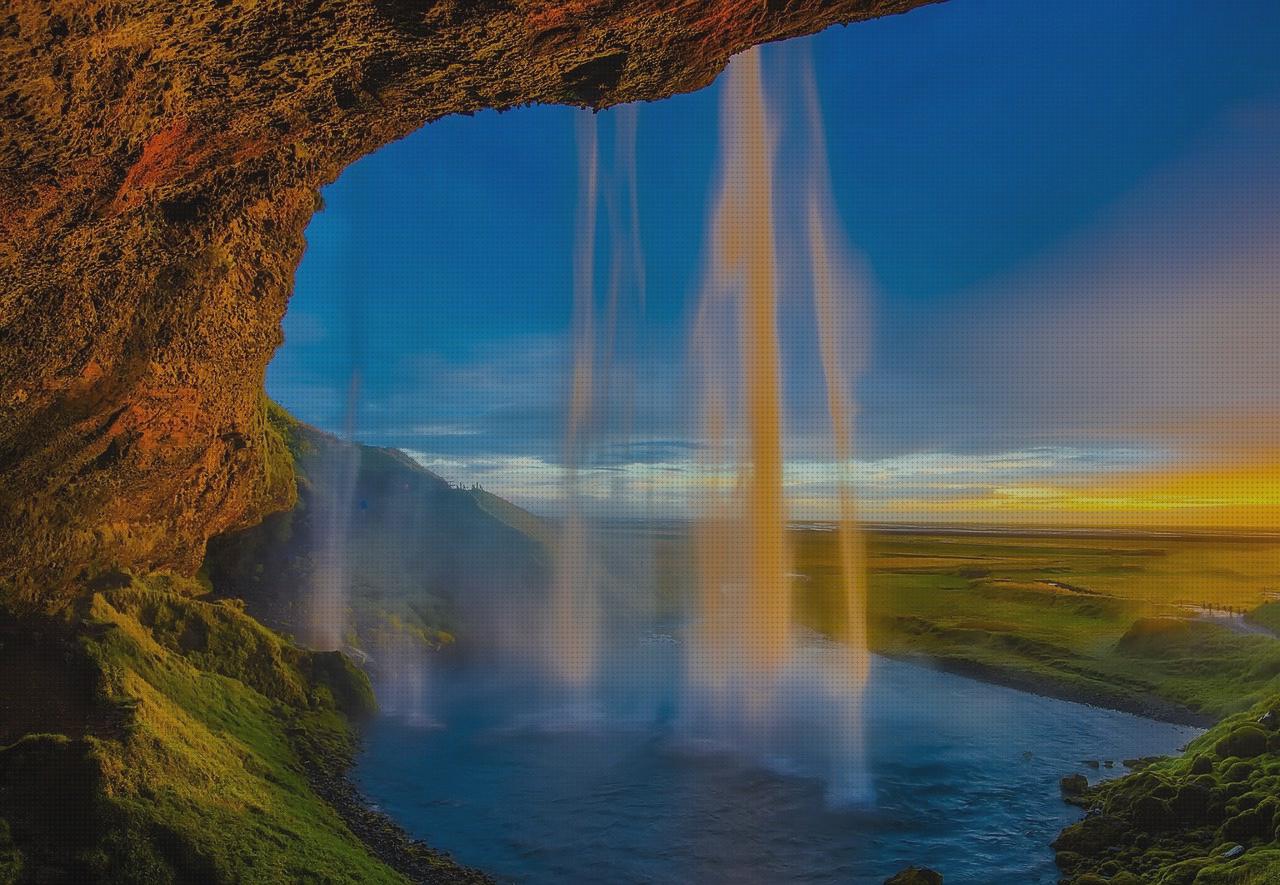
x=1045, y=197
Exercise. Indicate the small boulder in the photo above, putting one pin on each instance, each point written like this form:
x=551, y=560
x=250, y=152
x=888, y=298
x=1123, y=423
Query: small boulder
x=1068, y=861
x=1152, y=815
x=1238, y=772
x=1074, y=785
x=915, y=876
x=1124, y=878
x=1091, y=836
x=1248, y=825
x=1245, y=741
x=1202, y=764
x=1191, y=804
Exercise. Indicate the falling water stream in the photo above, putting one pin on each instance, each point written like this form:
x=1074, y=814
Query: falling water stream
x=742, y=656
x=327, y=617
x=575, y=600
x=744, y=662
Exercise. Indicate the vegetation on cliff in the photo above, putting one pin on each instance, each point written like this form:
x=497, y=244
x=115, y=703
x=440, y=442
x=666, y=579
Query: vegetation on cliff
x=162, y=736
x=170, y=739
x=1208, y=817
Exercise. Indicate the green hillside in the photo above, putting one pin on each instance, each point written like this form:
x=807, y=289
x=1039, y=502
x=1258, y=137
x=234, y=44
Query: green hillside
x=149, y=736
x=414, y=546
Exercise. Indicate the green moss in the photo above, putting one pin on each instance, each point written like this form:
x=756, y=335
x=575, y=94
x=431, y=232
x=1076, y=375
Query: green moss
x=1245, y=741
x=206, y=776
x=1065, y=616
x=1189, y=818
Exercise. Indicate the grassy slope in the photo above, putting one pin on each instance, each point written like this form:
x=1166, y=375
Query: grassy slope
x=193, y=766
x=1267, y=616
x=1120, y=622
x=147, y=735
x=413, y=545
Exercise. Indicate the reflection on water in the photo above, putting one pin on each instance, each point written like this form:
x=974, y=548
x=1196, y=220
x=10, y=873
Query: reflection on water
x=965, y=777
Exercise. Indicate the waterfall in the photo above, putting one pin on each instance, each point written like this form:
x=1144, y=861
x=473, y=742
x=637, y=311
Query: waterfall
x=743, y=666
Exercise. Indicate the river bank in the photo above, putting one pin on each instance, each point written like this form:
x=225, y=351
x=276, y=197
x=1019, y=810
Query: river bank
x=330, y=777
x=1147, y=707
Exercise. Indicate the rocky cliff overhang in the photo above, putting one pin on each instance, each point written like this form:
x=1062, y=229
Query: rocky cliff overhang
x=161, y=160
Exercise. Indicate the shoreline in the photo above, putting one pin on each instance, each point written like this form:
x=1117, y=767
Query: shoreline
x=380, y=833
x=1156, y=709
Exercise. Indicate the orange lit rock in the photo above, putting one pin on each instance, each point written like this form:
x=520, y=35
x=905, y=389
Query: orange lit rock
x=158, y=164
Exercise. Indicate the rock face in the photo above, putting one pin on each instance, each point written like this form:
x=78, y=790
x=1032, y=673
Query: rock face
x=915, y=876
x=158, y=165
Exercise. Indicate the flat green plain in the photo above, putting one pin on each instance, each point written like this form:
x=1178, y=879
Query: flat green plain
x=1174, y=626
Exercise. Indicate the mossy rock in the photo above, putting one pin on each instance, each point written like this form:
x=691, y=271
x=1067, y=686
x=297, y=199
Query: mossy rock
x=1153, y=815
x=1257, y=822
x=1177, y=817
x=1092, y=836
x=1244, y=741
x=1192, y=804
x=1246, y=827
x=1184, y=872
x=1125, y=878
x=1074, y=785
x=915, y=876
x=1238, y=772
x=1068, y=861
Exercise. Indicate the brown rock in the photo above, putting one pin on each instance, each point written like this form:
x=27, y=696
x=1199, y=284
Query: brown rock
x=158, y=164
x=915, y=876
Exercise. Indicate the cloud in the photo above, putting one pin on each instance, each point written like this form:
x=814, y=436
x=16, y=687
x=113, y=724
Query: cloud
x=898, y=487
x=433, y=431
